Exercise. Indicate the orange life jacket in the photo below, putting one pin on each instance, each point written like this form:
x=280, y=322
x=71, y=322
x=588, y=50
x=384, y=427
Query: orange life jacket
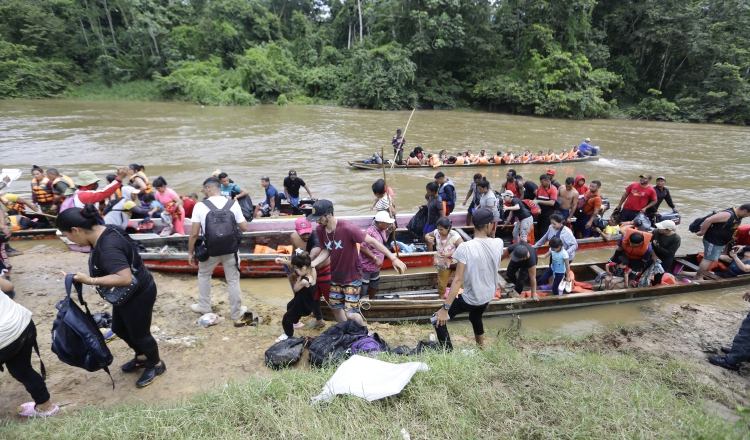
x=14, y=226
x=635, y=252
x=508, y=158
x=550, y=158
x=526, y=157
x=565, y=156
x=497, y=159
x=142, y=175
x=435, y=162
x=43, y=195
x=67, y=180
x=20, y=207
x=460, y=160
x=483, y=160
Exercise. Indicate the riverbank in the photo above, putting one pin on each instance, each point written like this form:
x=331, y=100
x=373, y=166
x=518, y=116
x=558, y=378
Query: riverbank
x=651, y=381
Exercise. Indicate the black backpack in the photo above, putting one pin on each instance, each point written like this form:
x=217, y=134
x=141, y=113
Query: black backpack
x=285, y=353
x=222, y=235
x=695, y=226
x=111, y=205
x=76, y=339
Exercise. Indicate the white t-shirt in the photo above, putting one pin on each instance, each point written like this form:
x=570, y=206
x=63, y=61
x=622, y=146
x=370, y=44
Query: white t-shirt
x=200, y=211
x=14, y=318
x=482, y=259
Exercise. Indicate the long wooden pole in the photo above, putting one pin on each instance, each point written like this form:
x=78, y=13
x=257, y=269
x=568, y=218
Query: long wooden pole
x=403, y=136
x=385, y=183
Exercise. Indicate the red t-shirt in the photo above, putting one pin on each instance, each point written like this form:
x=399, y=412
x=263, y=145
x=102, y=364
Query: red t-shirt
x=342, y=244
x=188, y=204
x=550, y=192
x=638, y=196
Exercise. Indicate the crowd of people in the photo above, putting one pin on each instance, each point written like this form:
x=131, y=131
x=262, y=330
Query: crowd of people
x=335, y=260
x=418, y=157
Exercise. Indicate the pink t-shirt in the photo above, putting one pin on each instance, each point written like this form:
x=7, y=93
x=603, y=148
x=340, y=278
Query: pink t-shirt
x=168, y=197
x=343, y=245
x=368, y=265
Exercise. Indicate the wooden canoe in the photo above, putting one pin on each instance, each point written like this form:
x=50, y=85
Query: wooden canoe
x=413, y=297
x=360, y=165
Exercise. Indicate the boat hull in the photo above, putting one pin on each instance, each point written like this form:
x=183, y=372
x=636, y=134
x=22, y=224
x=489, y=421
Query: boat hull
x=360, y=165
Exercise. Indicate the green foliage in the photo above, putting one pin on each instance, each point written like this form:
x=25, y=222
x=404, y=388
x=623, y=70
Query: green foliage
x=381, y=78
x=23, y=75
x=204, y=82
x=267, y=72
x=138, y=90
x=558, y=85
x=654, y=108
x=723, y=97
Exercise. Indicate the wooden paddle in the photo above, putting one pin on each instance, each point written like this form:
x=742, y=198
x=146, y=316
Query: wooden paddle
x=390, y=202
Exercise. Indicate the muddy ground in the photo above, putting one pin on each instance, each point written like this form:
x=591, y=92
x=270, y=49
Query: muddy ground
x=199, y=359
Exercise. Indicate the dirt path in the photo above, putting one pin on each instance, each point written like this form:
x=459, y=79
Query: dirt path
x=200, y=359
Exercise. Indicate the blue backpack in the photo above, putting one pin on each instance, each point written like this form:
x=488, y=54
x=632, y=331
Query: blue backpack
x=76, y=339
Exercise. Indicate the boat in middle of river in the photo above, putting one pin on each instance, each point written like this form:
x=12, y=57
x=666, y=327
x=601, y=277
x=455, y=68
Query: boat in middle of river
x=169, y=254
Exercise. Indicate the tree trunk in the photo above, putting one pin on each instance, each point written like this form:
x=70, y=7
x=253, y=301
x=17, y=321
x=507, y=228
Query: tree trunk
x=678, y=68
x=84, y=33
x=349, y=39
x=664, y=64
x=359, y=7
x=111, y=26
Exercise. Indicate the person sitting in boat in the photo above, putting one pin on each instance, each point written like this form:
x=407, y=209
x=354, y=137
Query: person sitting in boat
x=460, y=159
x=636, y=246
x=587, y=150
x=607, y=230
x=526, y=157
x=443, y=156
x=469, y=156
x=618, y=273
x=59, y=184
x=540, y=157
x=738, y=262
x=139, y=180
x=481, y=159
x=124, y=207
x=19, y=222
x=564, y=155
x=551, y=156
x=498, y=157
x=419, y=154
x=433, y=160
x=412, y=160
x=508, y=157
x=574, y=153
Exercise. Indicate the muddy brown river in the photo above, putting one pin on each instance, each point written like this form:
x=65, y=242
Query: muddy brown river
x=706, y=166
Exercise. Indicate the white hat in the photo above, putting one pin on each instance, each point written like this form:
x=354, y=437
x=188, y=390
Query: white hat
x=666, y=224
x=383, y=216
x=588, y=139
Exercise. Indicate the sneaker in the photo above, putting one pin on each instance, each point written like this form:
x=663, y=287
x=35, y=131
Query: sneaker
x=283, y=337
x=150, y=374
x=196, y=308
x=29, y=410
x=134, y=364
x=298, y=324
x=725, y=350
x=12, y=252
x=243, y=310
x=721, y=361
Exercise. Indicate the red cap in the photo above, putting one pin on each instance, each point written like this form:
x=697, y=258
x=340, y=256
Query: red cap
x=303, y=226
x=551, y=172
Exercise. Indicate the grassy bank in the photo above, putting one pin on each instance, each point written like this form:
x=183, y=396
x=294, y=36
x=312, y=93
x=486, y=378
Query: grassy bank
x=513, y=389
x=140, y=90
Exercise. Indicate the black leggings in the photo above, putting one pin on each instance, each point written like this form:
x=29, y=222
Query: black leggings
x=298, y=307
x=475, y=317
x=131, y=322
x=17, y=357
x=517, y=275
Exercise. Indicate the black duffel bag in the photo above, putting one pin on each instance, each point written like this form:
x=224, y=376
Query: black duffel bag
x=285, y=353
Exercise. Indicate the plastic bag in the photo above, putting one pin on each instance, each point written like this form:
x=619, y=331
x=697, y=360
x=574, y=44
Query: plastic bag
x=285, y=353
x=209, y=319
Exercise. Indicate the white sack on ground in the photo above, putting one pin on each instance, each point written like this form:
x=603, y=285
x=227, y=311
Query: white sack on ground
x=369, y=378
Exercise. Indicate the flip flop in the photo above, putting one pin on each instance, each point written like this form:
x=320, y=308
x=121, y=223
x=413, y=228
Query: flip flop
x=246, y=319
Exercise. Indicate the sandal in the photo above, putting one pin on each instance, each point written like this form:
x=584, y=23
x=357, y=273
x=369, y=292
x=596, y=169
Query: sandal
x=298, y=324
x=246, y=319
x=314, y=325
x=29, y=410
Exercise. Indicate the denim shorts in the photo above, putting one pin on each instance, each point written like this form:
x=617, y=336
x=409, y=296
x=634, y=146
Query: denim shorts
x=711, y=251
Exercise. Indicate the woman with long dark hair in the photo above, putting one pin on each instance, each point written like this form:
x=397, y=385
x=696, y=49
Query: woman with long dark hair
x=114, y=262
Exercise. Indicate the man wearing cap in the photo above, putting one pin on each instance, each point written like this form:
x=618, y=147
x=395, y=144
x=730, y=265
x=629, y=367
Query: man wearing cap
x=292, y=184
x=515, y=209
x=123, y=208
x=522, y=267
x=552, y=181
x=477, y=273
x=398, y=146
x=305, y=238
x=87, y=191
x=638, y=198
x=665, y=244
x=272, y=204
x=369, y=257
x=587, y=150
x=340, y=240
x=662, y=195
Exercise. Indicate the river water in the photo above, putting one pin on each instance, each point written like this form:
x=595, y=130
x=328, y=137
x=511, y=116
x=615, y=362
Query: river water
x=706, y=166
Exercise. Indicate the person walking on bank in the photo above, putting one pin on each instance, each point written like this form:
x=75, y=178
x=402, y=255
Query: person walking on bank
x=740, y=350
x=17, y=340
x=447, y=192
x=718, y=231
x=477, y=272
x=115, y=262
x=638, y=197
x=292, y=184
x=340, y=240
x=221, y=239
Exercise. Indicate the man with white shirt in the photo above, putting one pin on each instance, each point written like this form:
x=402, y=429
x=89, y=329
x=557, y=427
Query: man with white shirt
x=219, y=252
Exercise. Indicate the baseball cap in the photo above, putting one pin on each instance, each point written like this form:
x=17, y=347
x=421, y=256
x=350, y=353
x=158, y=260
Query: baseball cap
x=588, y=139
x=661, y=178
x=666, y=224
x=646, y=176
x=320, y=208
x=483, y=216
x=551, y=172
x=383, y=216
x=303, y=226
x=265, y=178
x=292, y=173
x=507, y=194
x=519, y=253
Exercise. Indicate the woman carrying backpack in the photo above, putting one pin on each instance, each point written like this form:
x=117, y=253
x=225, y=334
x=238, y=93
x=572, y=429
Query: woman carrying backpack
x=119, y=275
x=17, y=340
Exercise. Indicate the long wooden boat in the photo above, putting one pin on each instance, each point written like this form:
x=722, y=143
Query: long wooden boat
x=413, y=297
x=358, y=164
x=169, y=254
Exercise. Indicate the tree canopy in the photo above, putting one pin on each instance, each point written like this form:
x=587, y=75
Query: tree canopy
x=685, y=60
